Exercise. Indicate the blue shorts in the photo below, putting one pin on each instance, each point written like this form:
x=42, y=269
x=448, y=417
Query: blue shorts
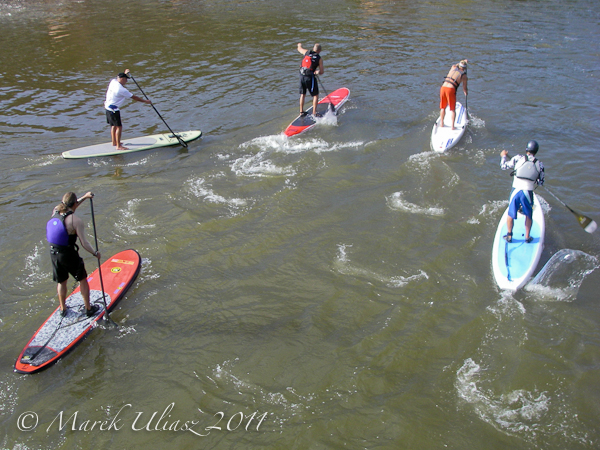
x=523, y=200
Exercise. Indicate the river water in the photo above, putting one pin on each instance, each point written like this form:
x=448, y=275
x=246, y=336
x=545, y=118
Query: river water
x=328, y=291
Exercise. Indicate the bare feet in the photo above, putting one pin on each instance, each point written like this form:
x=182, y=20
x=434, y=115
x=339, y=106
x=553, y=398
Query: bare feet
x=122, y=148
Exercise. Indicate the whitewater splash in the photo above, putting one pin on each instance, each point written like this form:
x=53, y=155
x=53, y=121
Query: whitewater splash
x=518, y=411
x=33, y=273
x=483, y=381
x=272, y=156
x=259, y=165
x=562, y=276
x=343, y=266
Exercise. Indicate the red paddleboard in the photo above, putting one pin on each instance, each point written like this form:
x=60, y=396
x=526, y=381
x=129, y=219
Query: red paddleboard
x=58, y=335
x=302, y=123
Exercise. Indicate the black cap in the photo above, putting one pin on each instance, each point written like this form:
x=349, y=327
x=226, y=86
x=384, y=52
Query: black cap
x=123, y=75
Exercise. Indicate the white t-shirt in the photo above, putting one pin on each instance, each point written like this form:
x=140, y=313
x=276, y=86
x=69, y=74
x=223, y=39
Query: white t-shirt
x=116, y=95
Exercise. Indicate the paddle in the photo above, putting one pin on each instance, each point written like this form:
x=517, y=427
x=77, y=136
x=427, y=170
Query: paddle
x=108, y=319
x=326, y=94
x=467, y=106
x=585, y=222
x=181, y=141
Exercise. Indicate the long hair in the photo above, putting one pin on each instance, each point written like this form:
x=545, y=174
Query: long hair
x=68, y=201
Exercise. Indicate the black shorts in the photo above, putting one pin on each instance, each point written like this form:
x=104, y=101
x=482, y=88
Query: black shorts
x=309, y=83
x=113, y=118
x=65, y=262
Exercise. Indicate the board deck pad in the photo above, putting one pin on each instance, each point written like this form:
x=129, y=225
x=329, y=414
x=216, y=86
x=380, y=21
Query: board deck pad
x=514, y=263
x=58, y=335
x=134, y=145
x=302, y=123
x=444, y=138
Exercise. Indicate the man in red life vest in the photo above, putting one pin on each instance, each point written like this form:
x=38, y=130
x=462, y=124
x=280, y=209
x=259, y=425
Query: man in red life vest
x=457, y=75
x=312, y=65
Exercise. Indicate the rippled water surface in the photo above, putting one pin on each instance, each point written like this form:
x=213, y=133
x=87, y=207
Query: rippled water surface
x=332, y=290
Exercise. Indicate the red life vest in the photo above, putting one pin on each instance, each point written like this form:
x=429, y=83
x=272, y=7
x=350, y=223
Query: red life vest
x=309, y=63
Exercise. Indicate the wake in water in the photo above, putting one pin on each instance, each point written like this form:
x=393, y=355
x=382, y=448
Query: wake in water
x=562, y=276
x=198, y=187
x=268, y=151
x=485, y=381
x=128, y=219
x=518, y=411
x=270, y=156
x=395, y=201
x=33, y=273
x=343, y=266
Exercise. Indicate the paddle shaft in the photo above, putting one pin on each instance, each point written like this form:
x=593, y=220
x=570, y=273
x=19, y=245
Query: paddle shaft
x=181, y=141
x=326, y=93
x=99, y=266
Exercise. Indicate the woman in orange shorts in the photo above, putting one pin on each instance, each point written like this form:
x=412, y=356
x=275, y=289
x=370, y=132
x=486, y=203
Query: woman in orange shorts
x=456, y=76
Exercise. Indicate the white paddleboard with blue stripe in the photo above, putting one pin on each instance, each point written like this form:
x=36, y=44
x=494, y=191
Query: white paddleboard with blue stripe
x=444, y=138
x=513, y=263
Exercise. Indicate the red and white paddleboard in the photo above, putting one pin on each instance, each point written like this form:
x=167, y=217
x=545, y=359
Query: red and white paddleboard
x=302, y=123
x=58, y=335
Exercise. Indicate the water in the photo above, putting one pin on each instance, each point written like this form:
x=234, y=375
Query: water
x=329, y=291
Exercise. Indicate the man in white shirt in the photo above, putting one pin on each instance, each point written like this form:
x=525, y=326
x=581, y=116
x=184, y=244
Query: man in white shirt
x=116, y=96
x=528, y=172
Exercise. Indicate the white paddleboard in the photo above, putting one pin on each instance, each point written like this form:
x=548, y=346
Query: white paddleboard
x=513, y=263
x=134, y=145
x=444, y=138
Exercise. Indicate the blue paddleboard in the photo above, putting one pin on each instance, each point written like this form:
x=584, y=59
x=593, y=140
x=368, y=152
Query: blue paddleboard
x=513, y=263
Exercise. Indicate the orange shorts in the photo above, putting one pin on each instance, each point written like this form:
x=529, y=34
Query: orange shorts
x=448, y=98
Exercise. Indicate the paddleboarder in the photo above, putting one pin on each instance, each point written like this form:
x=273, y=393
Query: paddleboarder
x=528, y=172
x=456, y=76
x=116, y=96
x=311, y=65
x=62, y=231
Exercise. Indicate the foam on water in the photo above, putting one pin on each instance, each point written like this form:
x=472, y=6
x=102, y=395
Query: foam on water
x=490, y=383
x=259, y=165
x=32, y=272
x=343, y=266
x=128, y=220
x=395, y=201
x=298, y=144
x=198, y=188
x=518, y=411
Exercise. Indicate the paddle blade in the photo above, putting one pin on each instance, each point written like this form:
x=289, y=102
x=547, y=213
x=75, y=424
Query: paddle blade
x=587, y=224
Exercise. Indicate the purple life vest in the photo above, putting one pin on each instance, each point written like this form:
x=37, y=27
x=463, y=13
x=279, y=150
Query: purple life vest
x=56, y=231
